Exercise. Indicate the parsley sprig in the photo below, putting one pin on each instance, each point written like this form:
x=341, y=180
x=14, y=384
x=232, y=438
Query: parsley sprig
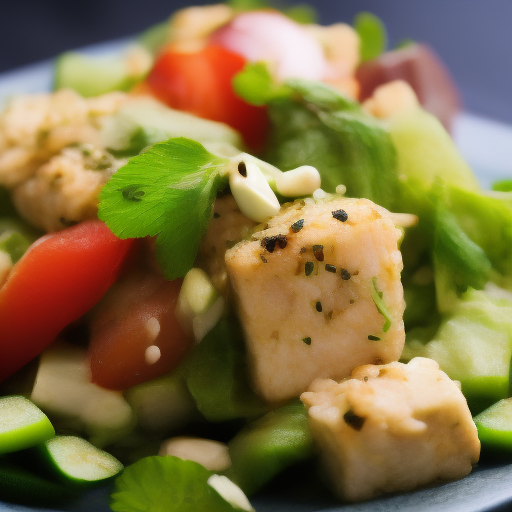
x=168, y=192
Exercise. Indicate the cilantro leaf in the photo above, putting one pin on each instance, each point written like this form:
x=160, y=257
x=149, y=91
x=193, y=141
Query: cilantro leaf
x=167, y=191
x=377, y=297
x=372, y=33
x=166, y=484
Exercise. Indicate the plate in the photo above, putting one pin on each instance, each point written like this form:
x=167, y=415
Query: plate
x=487, y=146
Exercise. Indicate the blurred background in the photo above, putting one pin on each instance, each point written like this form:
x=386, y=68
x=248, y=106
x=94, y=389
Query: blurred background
x=472, y=36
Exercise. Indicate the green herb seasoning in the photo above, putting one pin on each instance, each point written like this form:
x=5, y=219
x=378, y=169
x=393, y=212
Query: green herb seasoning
x=309, y=267
x=297, y=225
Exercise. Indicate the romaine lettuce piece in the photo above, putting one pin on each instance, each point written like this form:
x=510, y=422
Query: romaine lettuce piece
x=216, y=376
x=318, y=126
x=473, y=345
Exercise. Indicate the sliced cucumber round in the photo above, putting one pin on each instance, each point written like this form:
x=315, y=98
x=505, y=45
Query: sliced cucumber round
x=495, y=428
x=91, y=76
x=75, y=461
x=22, y=424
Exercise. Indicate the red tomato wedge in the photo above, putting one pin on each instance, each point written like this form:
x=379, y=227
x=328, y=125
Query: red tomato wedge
x=200, y=83
x=135, y=335
x=61, y=277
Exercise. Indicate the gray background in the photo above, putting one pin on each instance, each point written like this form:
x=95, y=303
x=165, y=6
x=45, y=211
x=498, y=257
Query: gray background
x=474, y=37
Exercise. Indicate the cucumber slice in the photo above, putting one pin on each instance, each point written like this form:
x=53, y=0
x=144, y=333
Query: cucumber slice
x=75, y=461
x=21, y=486
x=142, y=122
x=91, y=76
x=495, y=428
x=22, y=424
x=268, y=446
x=162, y=405
x=473, y=346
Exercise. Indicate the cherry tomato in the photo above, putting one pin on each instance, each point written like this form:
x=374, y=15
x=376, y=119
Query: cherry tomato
x=135, y=335
x=200, y=83
x=61, y=277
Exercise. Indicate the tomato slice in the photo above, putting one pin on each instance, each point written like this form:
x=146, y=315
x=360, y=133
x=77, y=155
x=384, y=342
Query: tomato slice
x=200, y=83
x=135, y=335
x=61, y=277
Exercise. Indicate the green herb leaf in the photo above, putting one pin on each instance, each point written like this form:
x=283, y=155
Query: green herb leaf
x=167, y=191
x=372, y=33
x=302, y=13
x=502, y=186
x=256, y=86
x=166, y=484
x=220, y=358
x=247, y=5
x=380, y=304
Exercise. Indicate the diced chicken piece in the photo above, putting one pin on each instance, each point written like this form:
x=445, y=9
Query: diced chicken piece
x=190, y=28
x=311, y=293
x=340, y=43
x=36, y=127
x=64, y=191
x=227, y=227
x=50, y=147
x=392, y=428
x=391, y=99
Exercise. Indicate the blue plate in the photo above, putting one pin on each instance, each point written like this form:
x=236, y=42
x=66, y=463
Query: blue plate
x=487, y=146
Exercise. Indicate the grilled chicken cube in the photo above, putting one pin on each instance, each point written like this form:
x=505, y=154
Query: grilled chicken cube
x=392, y=428
x=318, y=293
x=227, y=227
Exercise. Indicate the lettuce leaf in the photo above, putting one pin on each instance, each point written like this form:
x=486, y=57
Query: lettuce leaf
x=216, y=376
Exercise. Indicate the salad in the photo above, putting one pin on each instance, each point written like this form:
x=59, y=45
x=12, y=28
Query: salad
x=245, y=244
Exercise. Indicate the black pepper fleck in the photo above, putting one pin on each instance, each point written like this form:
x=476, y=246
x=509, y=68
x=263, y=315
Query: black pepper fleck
x=340, y=215
x=330, y=268
x=318, y=306
x=307, y=340
x=318, y=251
x=242, y=169
x=263, y=258
x=216, y=215
x=365, y=378
x=269, y=242
x=371, y=337
x=297, y=225
x=345, y=274
x=353, y=420
x=351, y=301
x=303, y=250
x=309, y=267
